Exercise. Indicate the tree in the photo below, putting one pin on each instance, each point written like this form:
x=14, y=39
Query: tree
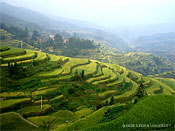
x=35, y=35
x=82, y=74
x=58, y=39
x=76, y=76
x=141, y=91
x=111, y=100
x=15, y=66
x=106, y=102
x=26, y=32
x=8, y=65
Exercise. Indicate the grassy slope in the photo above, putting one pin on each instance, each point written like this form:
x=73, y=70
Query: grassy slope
x=88, y=69
x=90, y=120
x=12, y=121
x=31, y=109
x=12, y=102
x=105, y=72
x=151, y=110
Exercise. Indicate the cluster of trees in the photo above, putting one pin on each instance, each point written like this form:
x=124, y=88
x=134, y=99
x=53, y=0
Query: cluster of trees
x=78, y=76
x=68, y=47
x=140, y=93
x=16, y=71
x=19, y=33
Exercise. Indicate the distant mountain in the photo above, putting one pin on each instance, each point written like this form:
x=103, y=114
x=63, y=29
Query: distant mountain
x=13, y=21
x=63, y=25
x=162, y=44
x=157, y=42
x=133, y=32
x=34, y=17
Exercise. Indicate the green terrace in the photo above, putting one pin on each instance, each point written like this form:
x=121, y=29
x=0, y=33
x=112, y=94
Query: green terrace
x=61, y=93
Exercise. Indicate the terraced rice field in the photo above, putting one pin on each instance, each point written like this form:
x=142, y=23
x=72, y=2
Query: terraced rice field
x=130, y=93
x=34, y=109
x=72, y=63
x=67, y=103
x=40, y=92
x=53, y=73
x=90, y=68
x=118, y=81
x=112, y=78
x=29, y=55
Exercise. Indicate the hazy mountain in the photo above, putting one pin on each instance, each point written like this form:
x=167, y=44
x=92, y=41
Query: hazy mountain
x=157, y=42
x=34, y=17
x=73, y=27
x=13, y=21
x=133, y=32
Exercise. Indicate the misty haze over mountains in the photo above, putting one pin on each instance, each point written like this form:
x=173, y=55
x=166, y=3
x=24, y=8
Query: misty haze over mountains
x=120, y=37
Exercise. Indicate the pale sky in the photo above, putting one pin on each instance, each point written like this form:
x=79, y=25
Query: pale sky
x=110, y=13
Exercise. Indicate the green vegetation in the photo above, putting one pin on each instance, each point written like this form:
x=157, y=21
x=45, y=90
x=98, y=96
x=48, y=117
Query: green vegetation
x=150, y=111
x=76, y=93
x=13, y=121
x=62, y=117
x=13, y=103
x=11, y=94
x=29, y=55
x=83, y=112
x=34, y=110
x=12, y=52
x=39, y=120
x=90, y=120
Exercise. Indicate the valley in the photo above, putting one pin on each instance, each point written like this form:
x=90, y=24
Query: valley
x=60, y=74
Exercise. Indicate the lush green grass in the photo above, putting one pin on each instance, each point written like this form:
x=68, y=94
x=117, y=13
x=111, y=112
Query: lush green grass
x=129, y=93
x=44, y=91
x=158, y=109
x=54, y=72
x=118, y=81
x=152, y=89
x=169, y=82
x=107, y=73
x=12, y=94
x=40, y=56
x=34, y=109
x=62, y=117
x=29, y=55
x=90, y=120
x=38, y=120
x=38, y=102
x=114, y=67
x=12, y=121
x=12, y=52
x=13, y=102
x=105, y=76
x=56, y=58
x=105, y=94
x=99, y=71
x=90, y=68
x=157, y=85
x=71, y=63
x=57, y=98
x=83, y=112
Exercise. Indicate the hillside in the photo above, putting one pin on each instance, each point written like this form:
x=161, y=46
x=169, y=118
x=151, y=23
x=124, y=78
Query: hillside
x=148, y=112
x=157, y=42
x=70, y=90
x=144, y=63
x=162, y=44
x=24, y=17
